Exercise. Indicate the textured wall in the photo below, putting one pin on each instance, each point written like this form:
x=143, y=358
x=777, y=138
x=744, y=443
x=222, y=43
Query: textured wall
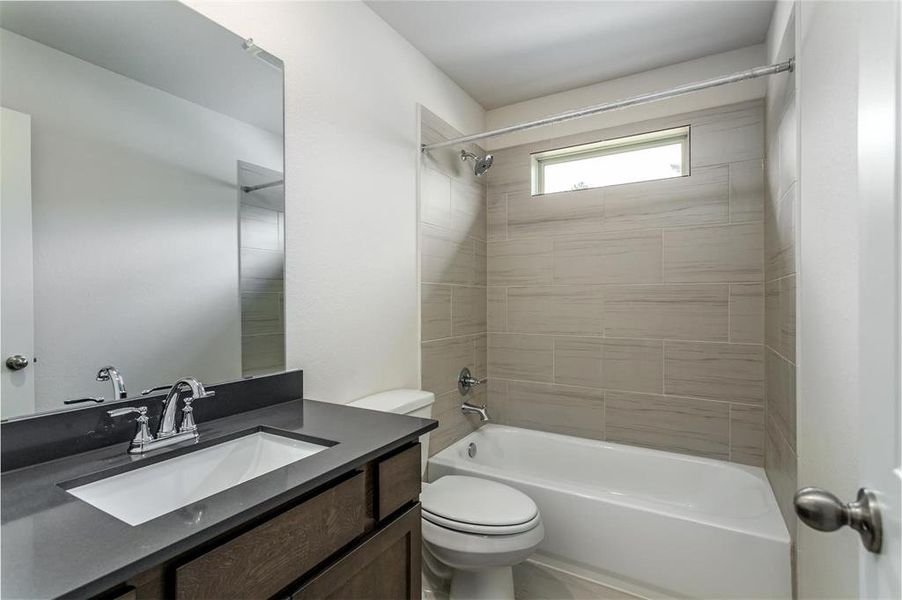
x=452, y=275
x=634, y=313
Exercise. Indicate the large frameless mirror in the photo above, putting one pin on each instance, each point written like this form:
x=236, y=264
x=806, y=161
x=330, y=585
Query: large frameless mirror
x=143, y=203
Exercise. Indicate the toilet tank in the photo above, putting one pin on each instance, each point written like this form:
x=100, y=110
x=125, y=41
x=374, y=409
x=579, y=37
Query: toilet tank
x=414, y=403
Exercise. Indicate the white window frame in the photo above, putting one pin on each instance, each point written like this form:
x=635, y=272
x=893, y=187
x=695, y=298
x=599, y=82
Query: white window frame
x=652, y=139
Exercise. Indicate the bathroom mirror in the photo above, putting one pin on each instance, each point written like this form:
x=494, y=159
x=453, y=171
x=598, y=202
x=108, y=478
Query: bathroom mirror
x=142, y=203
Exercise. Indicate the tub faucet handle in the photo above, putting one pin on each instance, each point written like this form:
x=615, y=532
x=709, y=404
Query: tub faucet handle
x=466, y=382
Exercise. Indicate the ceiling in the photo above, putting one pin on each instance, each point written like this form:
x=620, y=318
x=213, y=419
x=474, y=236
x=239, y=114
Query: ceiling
x=165, y=45
x=508, y=51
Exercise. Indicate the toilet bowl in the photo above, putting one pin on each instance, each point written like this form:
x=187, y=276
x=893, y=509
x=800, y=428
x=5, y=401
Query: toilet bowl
x=480, y=529
x=474, y=530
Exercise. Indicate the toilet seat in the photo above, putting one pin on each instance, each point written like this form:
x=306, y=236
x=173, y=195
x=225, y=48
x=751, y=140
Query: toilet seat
x=478, y=506
x=480, y=529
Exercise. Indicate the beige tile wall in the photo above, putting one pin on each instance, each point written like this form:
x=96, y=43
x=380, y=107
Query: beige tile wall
x=633, y=313
x=453, y=279
x=780, y=267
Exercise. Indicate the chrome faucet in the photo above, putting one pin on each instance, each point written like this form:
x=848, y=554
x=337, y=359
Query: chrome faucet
x=465, y=383
x=167, y=421
x=167, y=434
x=482, y=411
x=111, y=373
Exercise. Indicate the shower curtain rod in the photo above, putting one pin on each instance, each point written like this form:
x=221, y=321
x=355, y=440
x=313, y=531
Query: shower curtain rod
x=755, y=73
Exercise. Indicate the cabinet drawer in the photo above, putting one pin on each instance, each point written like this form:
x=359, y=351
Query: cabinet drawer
x=398, y=481
x=264, y=560
x=385, y=566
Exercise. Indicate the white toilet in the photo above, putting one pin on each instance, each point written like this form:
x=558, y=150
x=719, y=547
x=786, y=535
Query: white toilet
x=474, y=528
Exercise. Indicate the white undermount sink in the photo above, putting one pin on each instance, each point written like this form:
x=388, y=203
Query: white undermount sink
x=148, y=492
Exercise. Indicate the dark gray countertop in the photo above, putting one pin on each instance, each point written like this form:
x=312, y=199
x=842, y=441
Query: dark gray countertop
x=56, y=545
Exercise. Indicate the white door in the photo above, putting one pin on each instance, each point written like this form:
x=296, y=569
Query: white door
x=849, y=302
x=16, y=266
x=880, y=175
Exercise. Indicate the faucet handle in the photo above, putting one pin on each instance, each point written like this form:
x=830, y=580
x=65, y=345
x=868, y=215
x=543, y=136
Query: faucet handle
x=97, y=399
x=465, y=381
x=142, y=432
x=127, y=410
x=188, y=423
x=158, y=388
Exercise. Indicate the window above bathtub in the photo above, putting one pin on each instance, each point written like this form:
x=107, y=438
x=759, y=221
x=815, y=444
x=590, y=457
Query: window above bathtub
x=643, y=157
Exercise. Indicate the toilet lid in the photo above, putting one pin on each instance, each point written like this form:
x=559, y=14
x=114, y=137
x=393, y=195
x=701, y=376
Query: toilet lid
x=473, y=501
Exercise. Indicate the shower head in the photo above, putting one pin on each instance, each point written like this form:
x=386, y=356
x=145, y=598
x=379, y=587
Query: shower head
x=480, y=165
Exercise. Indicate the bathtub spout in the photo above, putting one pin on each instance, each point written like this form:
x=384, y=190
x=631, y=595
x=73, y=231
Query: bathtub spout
x=482, y=411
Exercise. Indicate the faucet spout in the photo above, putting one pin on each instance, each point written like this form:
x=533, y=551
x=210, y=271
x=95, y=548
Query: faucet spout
x=112, y=374
x=482, y=411
x=170, y=404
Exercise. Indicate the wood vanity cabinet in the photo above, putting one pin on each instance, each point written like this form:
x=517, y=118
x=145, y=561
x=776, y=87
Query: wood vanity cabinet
x=384, y=566
x=356, y=538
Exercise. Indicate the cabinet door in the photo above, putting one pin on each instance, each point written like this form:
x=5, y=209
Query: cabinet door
x=399, y=481
x=261, y=562
x=385, y=566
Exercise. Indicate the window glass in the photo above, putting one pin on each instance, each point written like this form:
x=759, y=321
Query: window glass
x=661, y=155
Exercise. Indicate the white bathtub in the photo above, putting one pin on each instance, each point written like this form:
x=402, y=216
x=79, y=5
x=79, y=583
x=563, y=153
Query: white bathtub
x=657, y=521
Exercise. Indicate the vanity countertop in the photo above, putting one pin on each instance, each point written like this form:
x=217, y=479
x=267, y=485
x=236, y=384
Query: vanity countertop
x=56, y=545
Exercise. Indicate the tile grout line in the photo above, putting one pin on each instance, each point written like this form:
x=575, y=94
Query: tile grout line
x=620, y=285
x=729, y=194
x=781, y=278
x=506, y=216
x=577, y=236
x=779, y=431
x=626, y=338
x=624, y=391
x=730, y=432
x=663, y=367
x=604, y=415
x=785, y=359
x=730, y=312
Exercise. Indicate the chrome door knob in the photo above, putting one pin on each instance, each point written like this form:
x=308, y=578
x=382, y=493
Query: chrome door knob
x=16, y=362
x=821, y=510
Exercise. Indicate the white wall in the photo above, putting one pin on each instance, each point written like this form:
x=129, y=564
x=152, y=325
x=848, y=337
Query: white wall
x=351, y=88
x=135, y=225
x=828, y=410
x=624, y=87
